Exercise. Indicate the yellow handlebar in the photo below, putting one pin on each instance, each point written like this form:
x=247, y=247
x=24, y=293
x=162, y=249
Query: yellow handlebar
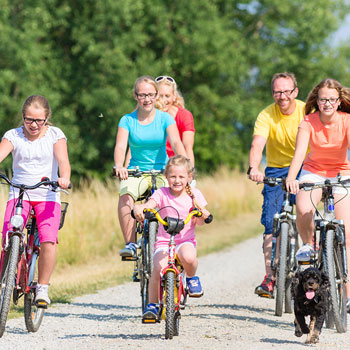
x=189, y=216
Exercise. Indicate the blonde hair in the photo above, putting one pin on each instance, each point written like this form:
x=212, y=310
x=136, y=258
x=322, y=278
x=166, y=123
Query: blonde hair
x=344, y=96
x=180, y=160
x=38, y=102
x=145, y=79
x=179, y=100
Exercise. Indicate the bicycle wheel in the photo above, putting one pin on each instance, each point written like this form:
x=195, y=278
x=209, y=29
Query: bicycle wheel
x=153, y=229
x=8, y=281
x=33, y=315
x=337, y=296
x=170, y=305
x=281, y=269
x=144, y=277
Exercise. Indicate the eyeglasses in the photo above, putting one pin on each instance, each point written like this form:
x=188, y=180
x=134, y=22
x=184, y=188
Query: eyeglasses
x=165, y=77
x=142, y=96
x=286, y=92
x=30, y=121
x=332, y=100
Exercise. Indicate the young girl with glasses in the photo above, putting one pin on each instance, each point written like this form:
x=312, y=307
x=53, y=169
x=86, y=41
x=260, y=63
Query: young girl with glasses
x=326, y=130
x=145, y=130
x=177, y=200
x=171, y=101
x=38, y=150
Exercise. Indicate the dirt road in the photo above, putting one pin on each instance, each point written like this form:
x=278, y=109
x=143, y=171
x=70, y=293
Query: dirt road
x=228, y=316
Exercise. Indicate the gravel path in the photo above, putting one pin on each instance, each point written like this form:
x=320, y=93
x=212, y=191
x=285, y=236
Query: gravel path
x=228, y=316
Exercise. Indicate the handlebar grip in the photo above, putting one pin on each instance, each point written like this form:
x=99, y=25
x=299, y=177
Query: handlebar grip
x=209, y=219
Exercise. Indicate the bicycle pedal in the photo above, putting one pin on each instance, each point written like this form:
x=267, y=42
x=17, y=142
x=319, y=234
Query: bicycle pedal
x=41, y=304
x=149, y=320
x=268, y=296
x=129, y=258
x=135, y=279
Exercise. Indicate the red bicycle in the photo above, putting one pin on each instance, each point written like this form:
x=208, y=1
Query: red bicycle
x=18, y=259
x=173, y=292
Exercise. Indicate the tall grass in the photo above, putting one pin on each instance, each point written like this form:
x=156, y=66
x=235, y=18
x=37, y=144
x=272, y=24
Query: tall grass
x=91, y=226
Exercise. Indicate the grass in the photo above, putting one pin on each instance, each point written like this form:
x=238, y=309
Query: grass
x=89, y=242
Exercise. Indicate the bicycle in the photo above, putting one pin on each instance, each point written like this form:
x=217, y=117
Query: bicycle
x=286, y=234
x=19, y=255
x=331, y=256
x=173, y=292
x=145, y=236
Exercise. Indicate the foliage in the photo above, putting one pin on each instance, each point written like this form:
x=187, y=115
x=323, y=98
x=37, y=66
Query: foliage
x=84, y=56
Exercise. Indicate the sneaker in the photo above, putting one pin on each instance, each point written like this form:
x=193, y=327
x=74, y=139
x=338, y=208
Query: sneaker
x=129, y=250
x=194, y=287
x=151, y=312
x=42, y=294
x=305, y=252
x=348, y=305
x=265, y=289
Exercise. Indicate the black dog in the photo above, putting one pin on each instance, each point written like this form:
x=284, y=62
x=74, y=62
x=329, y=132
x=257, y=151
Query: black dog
x=310, y=294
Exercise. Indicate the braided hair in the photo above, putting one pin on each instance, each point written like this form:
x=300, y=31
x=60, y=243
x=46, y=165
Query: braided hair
x=185, y=162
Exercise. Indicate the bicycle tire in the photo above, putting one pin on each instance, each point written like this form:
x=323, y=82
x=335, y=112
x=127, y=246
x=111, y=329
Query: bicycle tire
x=170, y=305
x=33, y=315
x=337, y=296
x=281, y=269
x=152, y=234
x=8, y=281
x=144, y=279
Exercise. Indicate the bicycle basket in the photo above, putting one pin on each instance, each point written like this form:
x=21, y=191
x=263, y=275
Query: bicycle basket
x=64, y=206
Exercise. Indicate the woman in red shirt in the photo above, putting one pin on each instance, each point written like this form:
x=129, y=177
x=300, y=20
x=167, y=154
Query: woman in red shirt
x=171, y=101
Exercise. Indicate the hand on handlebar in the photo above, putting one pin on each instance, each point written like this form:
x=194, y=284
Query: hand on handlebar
x=121, y=172
x=256, y=175
x=138, y=213
x=63, y=183
x=292, y=186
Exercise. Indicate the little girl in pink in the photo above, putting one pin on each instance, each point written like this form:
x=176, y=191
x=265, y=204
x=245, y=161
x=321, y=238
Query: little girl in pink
x=175, y=201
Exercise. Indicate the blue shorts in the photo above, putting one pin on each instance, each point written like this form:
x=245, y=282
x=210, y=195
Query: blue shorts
x=273, y=198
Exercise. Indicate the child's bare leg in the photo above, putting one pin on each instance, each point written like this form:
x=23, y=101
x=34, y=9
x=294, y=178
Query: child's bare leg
x=188, y=257
x=160, y=260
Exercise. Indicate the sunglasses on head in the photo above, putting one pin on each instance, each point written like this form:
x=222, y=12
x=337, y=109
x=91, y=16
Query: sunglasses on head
x=165, y=77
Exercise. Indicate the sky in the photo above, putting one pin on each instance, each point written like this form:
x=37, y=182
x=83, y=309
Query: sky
x=343, y=33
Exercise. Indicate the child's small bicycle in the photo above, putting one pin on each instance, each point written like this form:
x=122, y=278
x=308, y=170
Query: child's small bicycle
x=18, y=262
x=172, y=293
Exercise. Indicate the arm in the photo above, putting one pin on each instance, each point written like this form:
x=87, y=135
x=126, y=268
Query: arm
x=127, y=158
x=188, y=141
x=255, y=156
x=175, y=140
x=138, y=209
x=5, y=148
x=61, y=154
x=301, y=146
x=119, y=153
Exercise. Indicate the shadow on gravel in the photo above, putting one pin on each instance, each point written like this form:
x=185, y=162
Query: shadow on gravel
x=106, y=306
x=278, y=323
x=282, y=341
x=115, y=336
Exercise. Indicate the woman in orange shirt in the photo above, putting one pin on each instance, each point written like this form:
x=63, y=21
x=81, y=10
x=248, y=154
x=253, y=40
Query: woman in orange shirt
x=326, y=130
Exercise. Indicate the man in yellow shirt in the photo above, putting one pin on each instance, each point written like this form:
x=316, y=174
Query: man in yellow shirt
x=276, y=127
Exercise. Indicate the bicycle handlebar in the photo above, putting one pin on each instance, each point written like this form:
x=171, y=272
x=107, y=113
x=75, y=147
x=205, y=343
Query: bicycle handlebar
x=193, y=212
x=44, y=182
x=307, y=186
x=136, y=172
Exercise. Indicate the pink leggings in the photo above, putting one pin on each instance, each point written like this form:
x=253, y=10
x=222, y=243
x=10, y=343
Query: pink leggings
x=48, y=215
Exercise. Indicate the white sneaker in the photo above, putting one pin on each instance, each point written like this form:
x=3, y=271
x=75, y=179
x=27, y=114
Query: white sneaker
x=305, y=252
x=42, y=294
